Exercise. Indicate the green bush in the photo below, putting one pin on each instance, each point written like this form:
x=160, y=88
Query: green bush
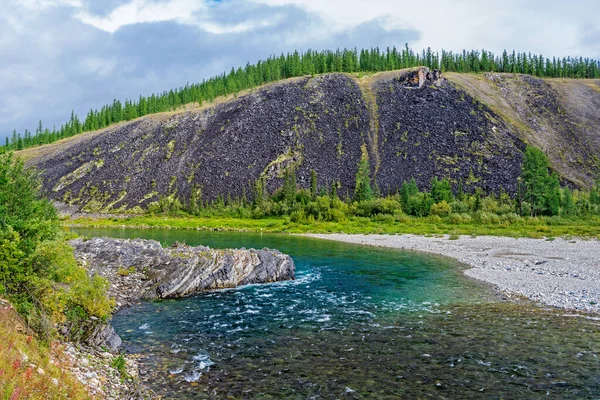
x=297, y=216
x=38, y=270
x=442, y=209
x=459, y=207
x=419, y=205
x=485, y=217
x=455, y=219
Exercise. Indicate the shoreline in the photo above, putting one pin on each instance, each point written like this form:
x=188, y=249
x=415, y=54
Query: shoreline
x=558, y=272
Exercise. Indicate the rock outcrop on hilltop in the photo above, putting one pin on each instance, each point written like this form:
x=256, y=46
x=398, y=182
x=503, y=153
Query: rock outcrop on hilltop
x=415, y=123
x=142, y=269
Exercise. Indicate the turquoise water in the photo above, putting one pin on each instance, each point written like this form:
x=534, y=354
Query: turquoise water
x=358, y=322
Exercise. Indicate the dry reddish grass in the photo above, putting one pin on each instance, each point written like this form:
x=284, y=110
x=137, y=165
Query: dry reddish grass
x=20, y=357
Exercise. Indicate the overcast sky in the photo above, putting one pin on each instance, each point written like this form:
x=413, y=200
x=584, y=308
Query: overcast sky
x=59, y=55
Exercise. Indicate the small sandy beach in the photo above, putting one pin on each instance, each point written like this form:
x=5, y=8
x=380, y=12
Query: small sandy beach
x=561, y=273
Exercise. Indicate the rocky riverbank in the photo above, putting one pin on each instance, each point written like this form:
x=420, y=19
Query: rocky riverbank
x=105, y=375
x=561, y=273
x=143, y=270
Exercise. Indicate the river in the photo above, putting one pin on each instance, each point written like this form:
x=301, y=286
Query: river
x=358, y=322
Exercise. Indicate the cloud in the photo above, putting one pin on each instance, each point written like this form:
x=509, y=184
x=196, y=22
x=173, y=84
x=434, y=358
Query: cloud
x=37, y=5
x=59, y=55
x=53, y=60
x=142, y=11
x=589, y=38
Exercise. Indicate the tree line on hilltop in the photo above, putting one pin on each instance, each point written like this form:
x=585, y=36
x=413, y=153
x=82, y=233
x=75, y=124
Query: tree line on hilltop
x=311, y=62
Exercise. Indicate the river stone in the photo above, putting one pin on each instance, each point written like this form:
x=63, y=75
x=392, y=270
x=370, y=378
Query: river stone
x=105, y=336
x=142, y=269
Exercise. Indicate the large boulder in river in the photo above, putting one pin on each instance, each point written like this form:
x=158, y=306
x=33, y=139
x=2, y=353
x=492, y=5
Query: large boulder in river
x=142, y=269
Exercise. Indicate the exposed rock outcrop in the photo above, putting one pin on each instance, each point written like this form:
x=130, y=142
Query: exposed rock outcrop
x=105, y=335
x=142, y=269
x=416, y=123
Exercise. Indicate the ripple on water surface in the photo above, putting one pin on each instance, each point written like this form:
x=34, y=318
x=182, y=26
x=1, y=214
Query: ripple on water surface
x=357, y=323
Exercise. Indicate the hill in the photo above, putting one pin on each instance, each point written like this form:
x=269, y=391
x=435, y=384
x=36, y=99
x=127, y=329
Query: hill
x=415, y=123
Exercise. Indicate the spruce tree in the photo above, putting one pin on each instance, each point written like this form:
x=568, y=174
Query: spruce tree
x=553, y=198
x=362, y=189
x=408, y=190
x=535, y=179
x=290, y=186
x=568, y=205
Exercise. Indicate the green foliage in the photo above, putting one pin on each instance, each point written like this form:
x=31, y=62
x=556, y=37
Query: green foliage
x=165, y=204
x=441, y=190
x=119, y=364
x=372, y=207
x=289, y=186
x=363, y=190
x=441, y=209
x=595, y=194
x=408, y=190
x=38, y=271
x=567, y=203
x=20, y=205
x=542, y=190
x=419, y=205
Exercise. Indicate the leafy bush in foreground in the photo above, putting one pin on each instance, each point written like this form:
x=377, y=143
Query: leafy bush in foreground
x=38, y=271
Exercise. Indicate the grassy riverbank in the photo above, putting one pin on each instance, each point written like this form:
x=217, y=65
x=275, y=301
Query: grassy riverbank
x=30, y=369
x=538, y=227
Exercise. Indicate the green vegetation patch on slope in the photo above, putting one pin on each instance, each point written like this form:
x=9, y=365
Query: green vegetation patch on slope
x=38, y=271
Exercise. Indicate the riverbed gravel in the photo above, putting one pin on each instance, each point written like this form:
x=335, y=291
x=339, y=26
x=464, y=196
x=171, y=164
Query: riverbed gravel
x=557, y=272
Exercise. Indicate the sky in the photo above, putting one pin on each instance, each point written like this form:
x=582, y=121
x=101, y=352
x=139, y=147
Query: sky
x=63, y=55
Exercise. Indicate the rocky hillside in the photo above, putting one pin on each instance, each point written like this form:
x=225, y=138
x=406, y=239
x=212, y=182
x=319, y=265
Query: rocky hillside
x=415, y=123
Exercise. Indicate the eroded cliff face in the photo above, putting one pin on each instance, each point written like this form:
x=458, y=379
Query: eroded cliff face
x=142, y=269
x=415, y=123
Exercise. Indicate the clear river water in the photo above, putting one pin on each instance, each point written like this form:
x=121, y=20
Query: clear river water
x=358, y=322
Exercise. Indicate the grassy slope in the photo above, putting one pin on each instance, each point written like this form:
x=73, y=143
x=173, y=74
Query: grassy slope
x=533, y=227
x=564, y=135
x=20, y=357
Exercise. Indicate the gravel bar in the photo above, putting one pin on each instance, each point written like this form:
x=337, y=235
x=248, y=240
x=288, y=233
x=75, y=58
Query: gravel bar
x=561, y=273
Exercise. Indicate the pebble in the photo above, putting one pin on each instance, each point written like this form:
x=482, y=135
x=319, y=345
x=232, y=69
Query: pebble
x=570, y=281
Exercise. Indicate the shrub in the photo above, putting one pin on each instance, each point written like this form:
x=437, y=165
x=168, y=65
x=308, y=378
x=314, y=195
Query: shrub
x=419, y=205
x=38, y=270
x=487, y=217
x=297, y=216
x=490, y=205
x=436, y=219
x=385, y=218
x=119, y=364
x=459, y=207
x=510, y=218
x=455, y=219
x=378, y=206
x=442, y=209
x=336, y=215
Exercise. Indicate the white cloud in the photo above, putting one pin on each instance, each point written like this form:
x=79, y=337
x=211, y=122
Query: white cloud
x=143, y=11
x=219, y=29
x=188, y=12
x=540, y=26
x=43, y=4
